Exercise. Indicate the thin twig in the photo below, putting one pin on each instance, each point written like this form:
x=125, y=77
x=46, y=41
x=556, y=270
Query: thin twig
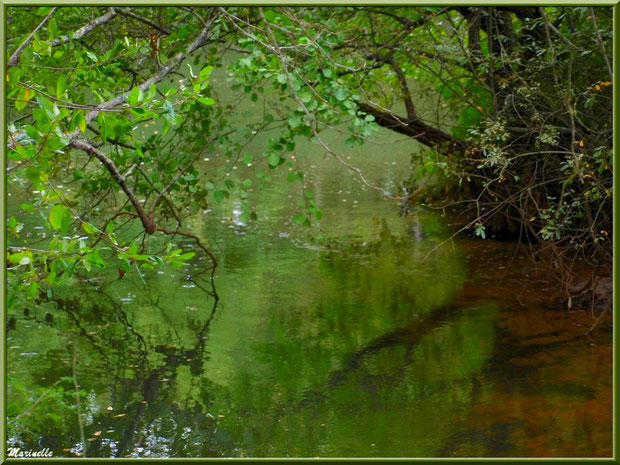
x=555, y=30
x=601, y=43
x=131, y=14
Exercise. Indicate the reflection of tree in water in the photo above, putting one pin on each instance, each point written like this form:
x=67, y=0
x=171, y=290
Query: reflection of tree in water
x=138, y=372
x=155, y=423
x=384, y=352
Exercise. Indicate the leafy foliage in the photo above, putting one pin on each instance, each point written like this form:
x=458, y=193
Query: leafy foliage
x=111, y=111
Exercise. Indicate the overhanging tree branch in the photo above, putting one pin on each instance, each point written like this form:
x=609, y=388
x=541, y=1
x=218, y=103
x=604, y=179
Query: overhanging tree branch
x=84, y=145
x=147, y=220
x=408, y=23
x=174, y=62
x=414, y=128
x=81, y=32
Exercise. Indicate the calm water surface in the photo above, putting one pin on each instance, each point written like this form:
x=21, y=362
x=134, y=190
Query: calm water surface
x=375, y=340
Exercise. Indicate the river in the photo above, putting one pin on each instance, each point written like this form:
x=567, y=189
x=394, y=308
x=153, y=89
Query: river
x=367, y=335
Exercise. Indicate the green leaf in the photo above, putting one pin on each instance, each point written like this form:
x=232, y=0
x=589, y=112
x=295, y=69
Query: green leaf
x=170, y=114
x=350, y=141
x=79, y=121
x=299, y=219
x=92, y=56
x=33, y=291
x=305, y=96
x=205, y=72
x=90, y=229
x=61, y=85
x=32, y=132
x=273, y=160
x=291, y=176
x=50, y=109
x=21, y=258
x=341, y=94
x=220, y=195
x=58, y=216
x=270, y=15
x=247, y=183
x=103, y=126
x=135, y=96
x=94, y=258
x=151, y=93
x=206, y=101
x=294, y=121
x=133, y=248
x=22, y=99
x=245, y=217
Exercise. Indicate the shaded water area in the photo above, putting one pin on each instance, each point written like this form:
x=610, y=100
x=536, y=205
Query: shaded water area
x=379, y=339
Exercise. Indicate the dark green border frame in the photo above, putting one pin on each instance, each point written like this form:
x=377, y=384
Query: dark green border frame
x=616, y=177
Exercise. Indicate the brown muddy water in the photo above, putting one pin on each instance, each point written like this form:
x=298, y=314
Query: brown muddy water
x=552, y=392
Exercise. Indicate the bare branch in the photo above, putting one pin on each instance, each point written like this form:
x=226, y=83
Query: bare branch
x=81, y=32
x=191, y=11
x=15, y=57
x=409, y=24
x=414, y=128
x=555, y=30
x=601, y=43
x=84, y=145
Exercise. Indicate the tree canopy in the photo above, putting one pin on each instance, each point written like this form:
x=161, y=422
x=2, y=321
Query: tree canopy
x=513, y=106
